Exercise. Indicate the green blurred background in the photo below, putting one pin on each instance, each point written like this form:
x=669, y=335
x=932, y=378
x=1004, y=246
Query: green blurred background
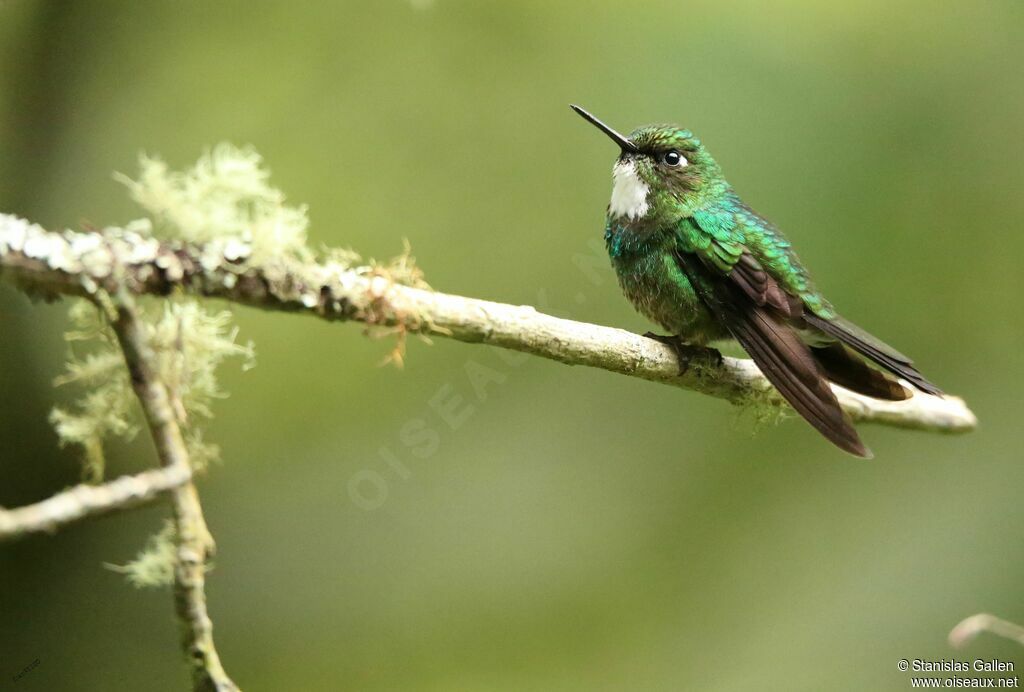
x=580, y=530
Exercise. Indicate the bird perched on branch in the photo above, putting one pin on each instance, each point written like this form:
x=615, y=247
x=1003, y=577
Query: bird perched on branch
x=693, y=257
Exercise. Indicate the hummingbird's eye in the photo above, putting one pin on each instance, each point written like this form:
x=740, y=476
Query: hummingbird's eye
x=673, y=158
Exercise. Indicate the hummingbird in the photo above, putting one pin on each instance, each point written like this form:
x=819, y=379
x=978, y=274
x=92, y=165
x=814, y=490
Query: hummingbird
x=693, y=257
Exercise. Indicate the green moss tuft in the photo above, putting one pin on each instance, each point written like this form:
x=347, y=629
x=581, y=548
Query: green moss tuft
x=226, y=196
x=188, y=343
x=153, y=567
x=763, y=407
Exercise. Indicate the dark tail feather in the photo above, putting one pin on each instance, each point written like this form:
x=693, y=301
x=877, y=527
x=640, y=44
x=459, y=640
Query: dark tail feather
x=788, y=364
x=870, y=347
x=779, y=352
x=850, y=371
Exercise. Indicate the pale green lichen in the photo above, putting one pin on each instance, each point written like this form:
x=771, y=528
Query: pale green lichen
x=343, y=258
x=188, y=344
x=224, y=199
x=401, y=269
x=200, y=452
x=154, y=565
x=105, y=409
x=763, y=407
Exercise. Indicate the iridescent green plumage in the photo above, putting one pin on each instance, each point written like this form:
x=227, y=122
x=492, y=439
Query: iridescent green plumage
x=692, y=257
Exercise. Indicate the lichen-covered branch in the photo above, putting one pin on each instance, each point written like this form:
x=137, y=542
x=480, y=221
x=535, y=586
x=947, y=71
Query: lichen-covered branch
x=194, y=542
x=69, y=263
x=84, y=501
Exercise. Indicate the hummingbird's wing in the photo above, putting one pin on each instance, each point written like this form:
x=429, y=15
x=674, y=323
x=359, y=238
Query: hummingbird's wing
x=747, y=275
x=837, y=340
x=839, y=363
x=763, y=332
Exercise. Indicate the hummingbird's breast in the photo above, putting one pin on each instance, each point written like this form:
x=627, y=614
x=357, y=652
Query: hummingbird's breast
x=645, y=265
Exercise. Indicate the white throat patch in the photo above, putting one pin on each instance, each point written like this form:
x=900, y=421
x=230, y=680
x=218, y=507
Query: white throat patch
x=629, y=192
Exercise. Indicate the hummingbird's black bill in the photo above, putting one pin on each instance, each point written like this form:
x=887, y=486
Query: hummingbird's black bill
x=623, y=142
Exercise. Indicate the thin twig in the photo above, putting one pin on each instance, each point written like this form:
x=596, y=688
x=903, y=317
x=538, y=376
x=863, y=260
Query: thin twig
x=969, y=628
x=83, y=501
x=69, y=263
x=194, y=542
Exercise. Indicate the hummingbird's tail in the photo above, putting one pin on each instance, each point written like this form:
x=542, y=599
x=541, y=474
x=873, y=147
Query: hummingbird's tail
x=847, y=369
x=873, y=349
x=790, y=365
x=779, y=352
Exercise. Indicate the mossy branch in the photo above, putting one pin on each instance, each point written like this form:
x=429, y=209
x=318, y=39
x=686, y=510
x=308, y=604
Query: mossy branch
x=70, y=263
x=194, y=544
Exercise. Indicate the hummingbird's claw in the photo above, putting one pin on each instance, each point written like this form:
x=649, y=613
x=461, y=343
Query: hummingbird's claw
x=688, y=354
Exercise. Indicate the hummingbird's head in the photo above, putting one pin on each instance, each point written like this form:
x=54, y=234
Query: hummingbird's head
x=659, y=166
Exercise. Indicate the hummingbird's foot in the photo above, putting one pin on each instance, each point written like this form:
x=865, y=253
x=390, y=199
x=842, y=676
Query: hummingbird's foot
x=688, y=354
